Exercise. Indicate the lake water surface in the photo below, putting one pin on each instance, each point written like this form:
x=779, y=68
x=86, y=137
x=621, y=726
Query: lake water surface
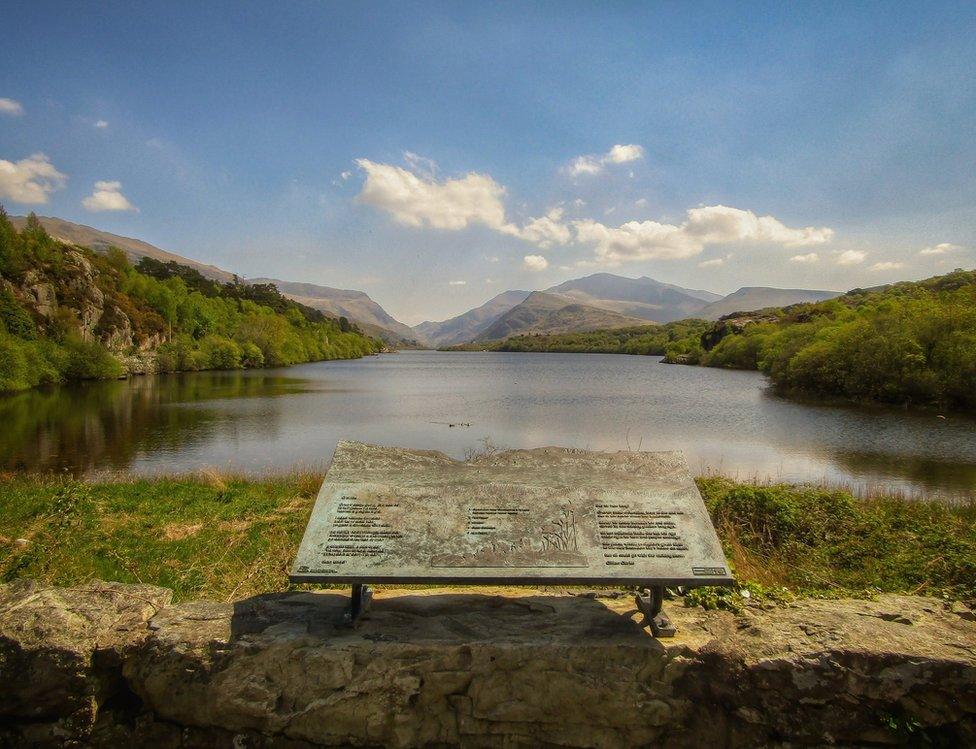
x=724, y=421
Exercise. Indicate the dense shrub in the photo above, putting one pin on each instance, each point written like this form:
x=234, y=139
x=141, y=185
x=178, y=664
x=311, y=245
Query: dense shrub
x=911, y=343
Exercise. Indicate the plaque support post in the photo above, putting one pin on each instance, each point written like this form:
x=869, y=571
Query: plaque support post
x=362, y=596
x=652, y=607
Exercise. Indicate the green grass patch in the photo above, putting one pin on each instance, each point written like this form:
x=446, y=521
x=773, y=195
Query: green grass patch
x=795, y=541
x=224, y=538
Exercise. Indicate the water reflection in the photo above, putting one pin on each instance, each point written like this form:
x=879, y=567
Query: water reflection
x=106, y=425
x=724, y=421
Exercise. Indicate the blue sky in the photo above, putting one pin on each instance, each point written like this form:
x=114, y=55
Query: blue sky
x=436, y=154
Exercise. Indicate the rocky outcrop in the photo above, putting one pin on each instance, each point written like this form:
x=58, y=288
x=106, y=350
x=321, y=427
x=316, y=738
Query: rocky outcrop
x=110, y=665
x=70, y=294
x=731, y=325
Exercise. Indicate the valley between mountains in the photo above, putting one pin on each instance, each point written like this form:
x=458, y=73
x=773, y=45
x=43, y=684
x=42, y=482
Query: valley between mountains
x=601, y=301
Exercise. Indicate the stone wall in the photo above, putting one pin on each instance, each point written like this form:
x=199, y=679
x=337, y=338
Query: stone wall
x=119, y=665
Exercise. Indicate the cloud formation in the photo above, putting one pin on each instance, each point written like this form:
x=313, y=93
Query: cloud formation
x=457, y=283
x=544, y=231
x=851, y=257
x=421, y=200
x=810, y=257
x=11, y=107
x=107, y=196
x=30, y=180
x=534, y=262
x=101, y=124
x=940, y=249
x=887, y=266
x=594, y=164
x=706, y=225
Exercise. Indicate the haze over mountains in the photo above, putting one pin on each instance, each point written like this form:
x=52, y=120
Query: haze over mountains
x=600, y=300
x=471, y=324
x=355, y=305
x=750, y=298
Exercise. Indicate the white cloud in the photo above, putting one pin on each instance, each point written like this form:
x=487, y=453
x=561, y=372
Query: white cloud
x=107, y=196
x=544, y=231
x=457, y=283
x=887, y=266
x=851, y=257
x=594, y=164
x=716, y=224
x=423, y=200
x=535, y=262
x=713, y=263
x=345, y=175
x=585, y=165
x=101, y=124
x=810, y=257
x=640, y=202
x=11, y=107
x=579, y=203
x=624, y=154
x=420, y=164
x=29, y=180
x=420, y=200
x=651, y=240
x=489, y=280
x=940, y=249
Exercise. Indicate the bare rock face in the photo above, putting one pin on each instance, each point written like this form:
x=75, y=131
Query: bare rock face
x=731, y=325
x=88, y=299
x=39, y=294
x=61, y=650
x=485, y=668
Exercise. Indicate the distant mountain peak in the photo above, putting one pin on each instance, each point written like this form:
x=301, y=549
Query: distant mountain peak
x=750, y=298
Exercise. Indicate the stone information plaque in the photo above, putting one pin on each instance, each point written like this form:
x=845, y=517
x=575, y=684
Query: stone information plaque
x=544, y=516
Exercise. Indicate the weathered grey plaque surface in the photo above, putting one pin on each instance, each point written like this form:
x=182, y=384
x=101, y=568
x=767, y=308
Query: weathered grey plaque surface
x=545, y=516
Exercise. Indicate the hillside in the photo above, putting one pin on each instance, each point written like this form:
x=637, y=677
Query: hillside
x=467, y=327
x=355, y=305
x=910, y=343
x=542, y=312
x=642, y=297
x=750, y=298
x=100, y=241
x=67, y=312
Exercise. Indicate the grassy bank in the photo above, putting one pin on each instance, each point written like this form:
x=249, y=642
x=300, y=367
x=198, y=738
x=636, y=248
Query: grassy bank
x=225, y=538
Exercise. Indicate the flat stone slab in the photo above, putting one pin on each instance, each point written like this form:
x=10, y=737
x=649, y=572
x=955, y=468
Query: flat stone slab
x=545, y=516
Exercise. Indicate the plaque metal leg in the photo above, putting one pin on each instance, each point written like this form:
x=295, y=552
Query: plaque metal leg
x=362, y=596
x=651, y=606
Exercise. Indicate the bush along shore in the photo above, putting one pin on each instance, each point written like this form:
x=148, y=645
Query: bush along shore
x=228, y=537
x=68, y=313
x=910, y=343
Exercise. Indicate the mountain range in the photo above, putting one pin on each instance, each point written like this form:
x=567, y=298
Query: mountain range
x=750, y=298
x=597, y=301
x=355, y=305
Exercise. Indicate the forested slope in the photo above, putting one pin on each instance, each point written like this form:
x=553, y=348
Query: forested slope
x=909, y=343
x=67, y=313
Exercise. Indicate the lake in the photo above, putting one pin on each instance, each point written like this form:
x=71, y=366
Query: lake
x=725, y=421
